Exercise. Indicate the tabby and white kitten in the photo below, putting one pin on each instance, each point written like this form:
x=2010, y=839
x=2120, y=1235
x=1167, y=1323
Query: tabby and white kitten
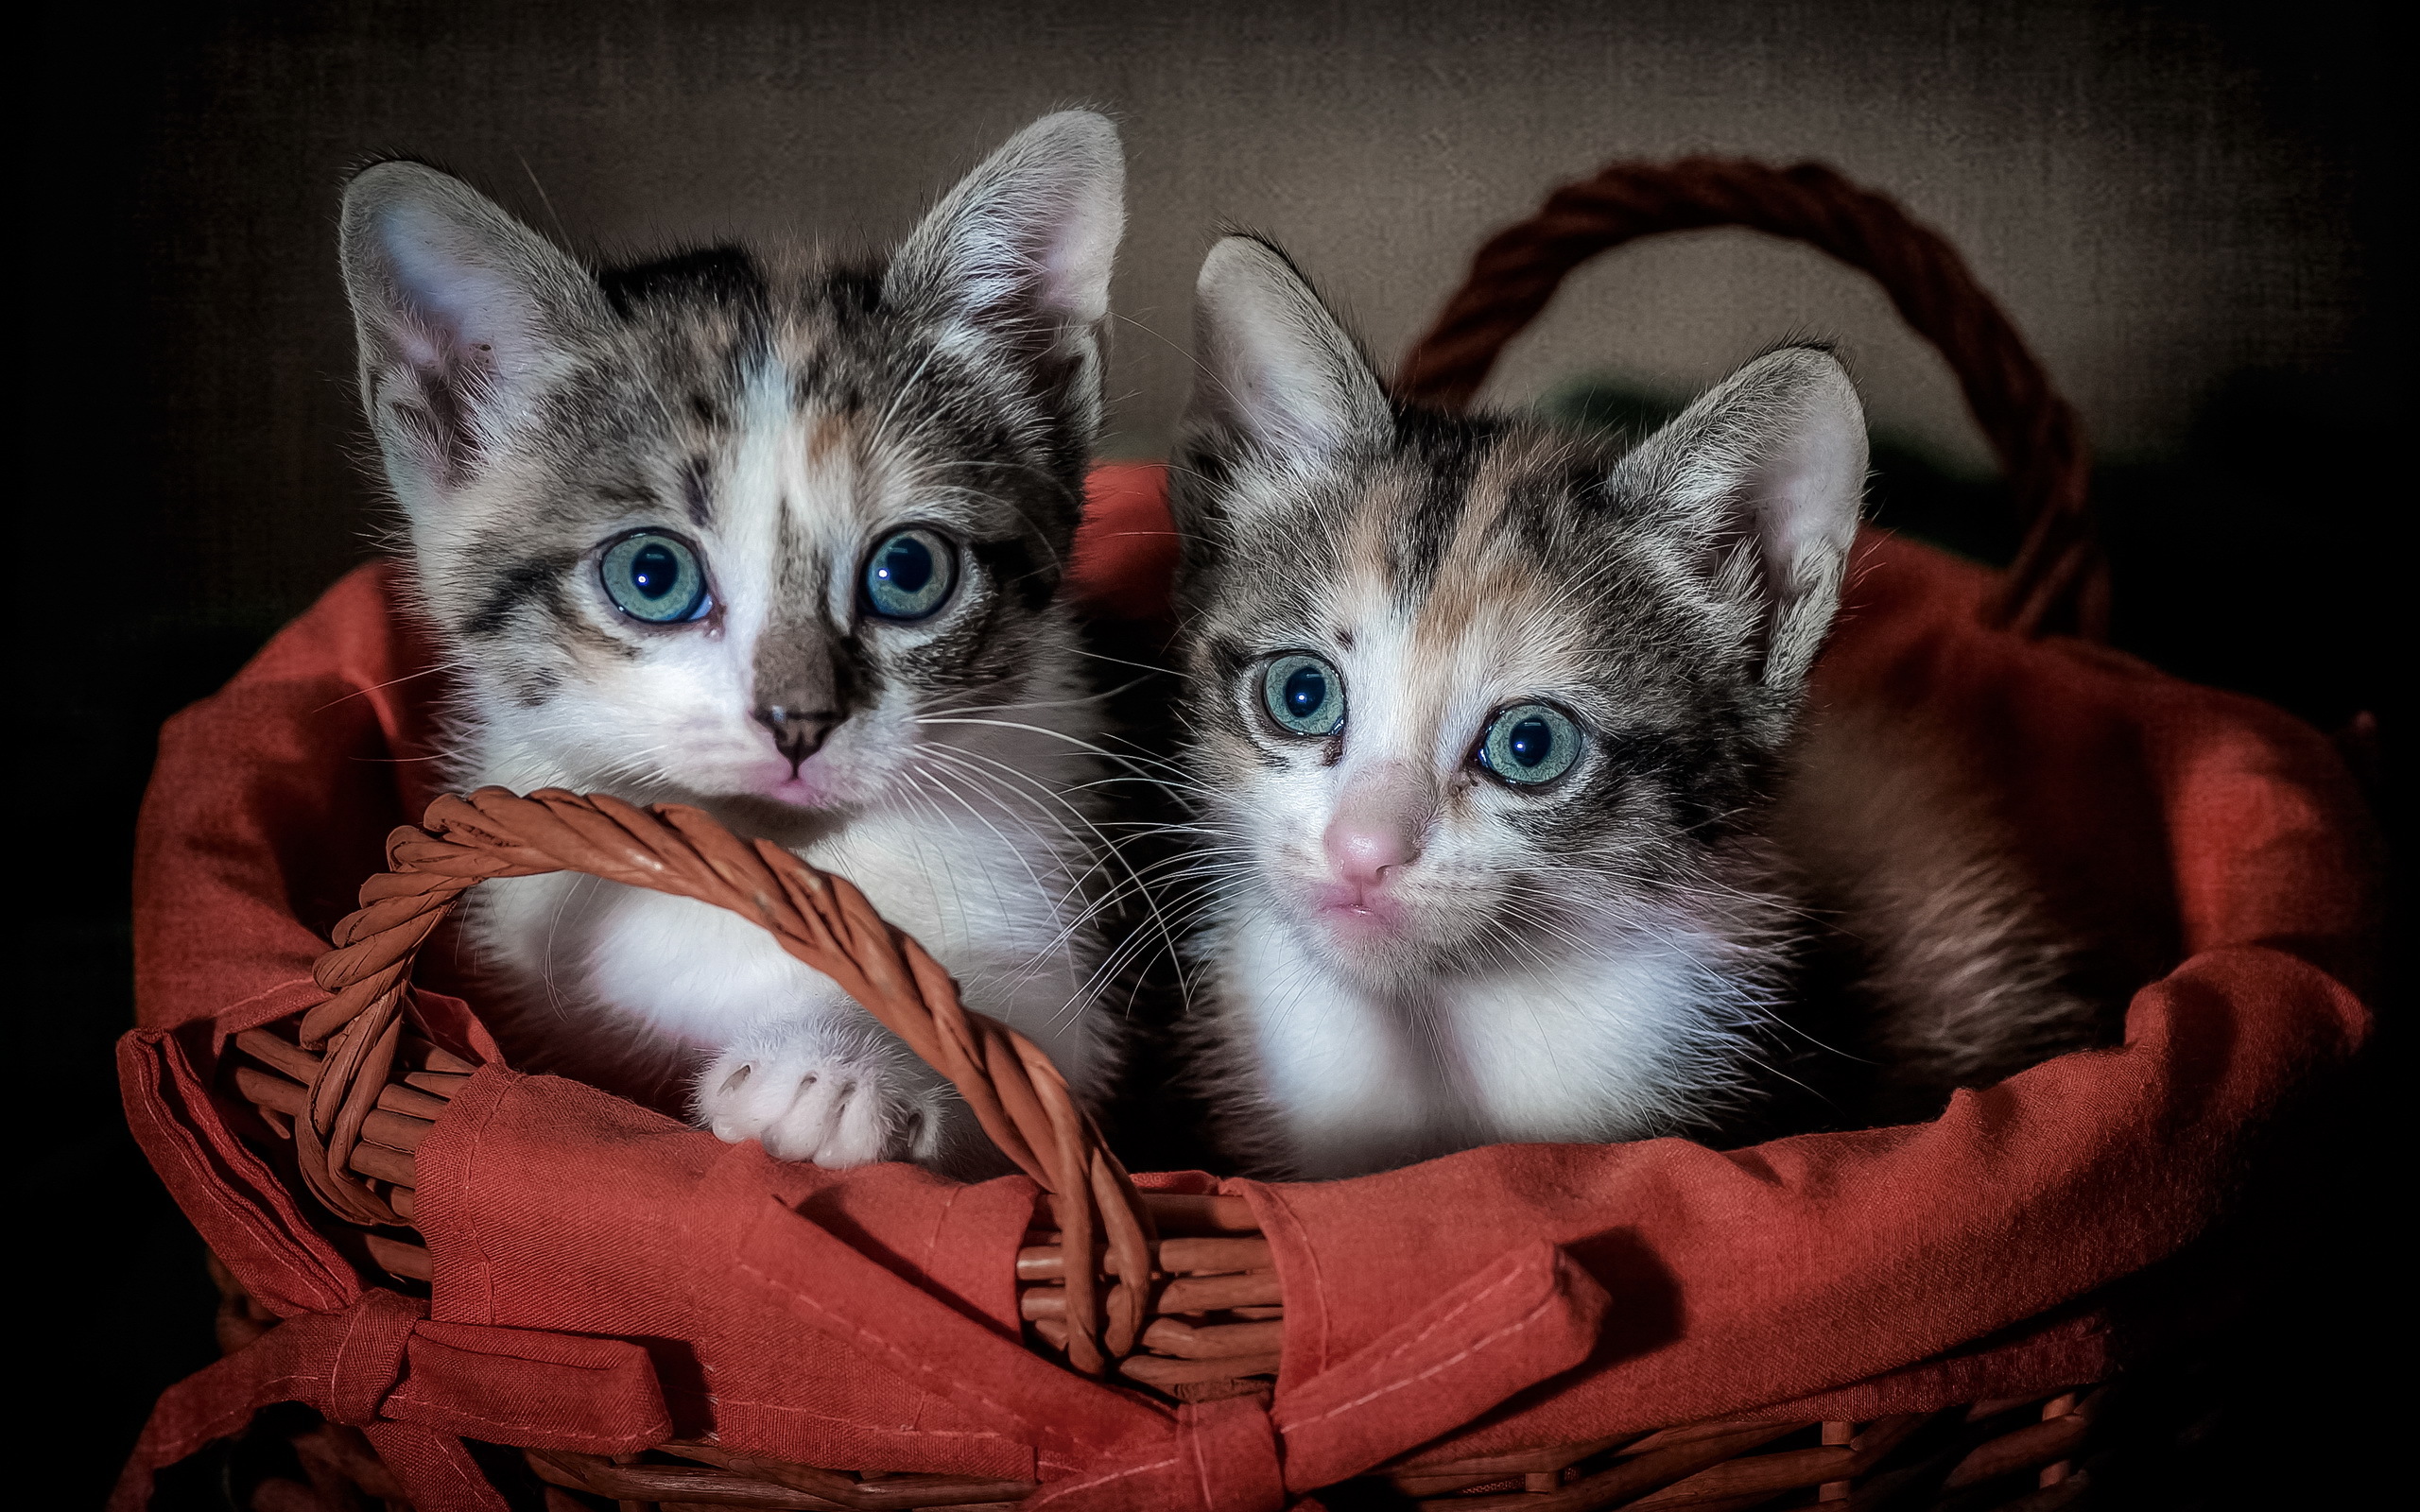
x=1510, y=820
x=782, y=539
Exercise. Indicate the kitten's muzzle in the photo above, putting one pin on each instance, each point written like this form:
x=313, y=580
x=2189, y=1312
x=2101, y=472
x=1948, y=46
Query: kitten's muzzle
x=1377, y=831
x=798, y=734
x=1380, y=823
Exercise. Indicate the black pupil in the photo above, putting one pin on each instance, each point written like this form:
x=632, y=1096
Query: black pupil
x=655, y=571
x=907, y=565
x=1531, y=742
x=1305, y=691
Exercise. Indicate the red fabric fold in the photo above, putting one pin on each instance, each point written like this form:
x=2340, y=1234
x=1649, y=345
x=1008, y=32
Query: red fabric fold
x=363, y=1356
x=247, y=1216
x=1810, y=1265
x=1125, y=557
x=880, y=1318
x=868, y=1318
x=529, y=1387
x=547, y=1204
x=419, y=1389
x=270, y=802
x=1527, y=1316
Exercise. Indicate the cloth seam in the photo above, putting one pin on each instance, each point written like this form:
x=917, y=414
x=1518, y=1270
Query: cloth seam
x=913, y=1370
x=462, y=1414
x=1129, y=1472
x=1319, y=1277
x=267, y=992
x=358, y=1320
x=1477, y=1345
x=1447, y=1316
x=857, y=1425
x=932, y=1245
x=206, y=1426
x=452, y=1456
x=242, y=1214
x=462, y=1187
x=1190, y=1428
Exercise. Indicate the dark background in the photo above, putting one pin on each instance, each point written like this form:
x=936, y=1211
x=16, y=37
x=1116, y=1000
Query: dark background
x=2185, y=209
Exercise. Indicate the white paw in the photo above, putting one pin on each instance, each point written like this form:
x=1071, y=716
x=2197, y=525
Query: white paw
x=833, y=1096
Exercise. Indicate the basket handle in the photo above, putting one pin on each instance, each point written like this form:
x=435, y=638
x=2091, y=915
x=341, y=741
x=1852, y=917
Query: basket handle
x=822, y=919
x=2059, y=580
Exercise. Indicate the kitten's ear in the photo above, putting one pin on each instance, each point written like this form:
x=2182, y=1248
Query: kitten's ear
x=1767, y=471
x=1274, y=370
x=463, y=316
x=1024, y=246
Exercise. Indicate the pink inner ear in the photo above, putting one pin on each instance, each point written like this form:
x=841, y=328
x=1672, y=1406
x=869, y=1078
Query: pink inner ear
x=1125, y=557
x=453, y=312
x=1083, y=236
x=1806, y=500
x=423, y=347
x=1067, y=285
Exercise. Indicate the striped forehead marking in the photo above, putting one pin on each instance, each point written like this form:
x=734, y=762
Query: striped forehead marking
x=1473, y=576
x=828, y=433
x=1439, y=600
x=1442, y=554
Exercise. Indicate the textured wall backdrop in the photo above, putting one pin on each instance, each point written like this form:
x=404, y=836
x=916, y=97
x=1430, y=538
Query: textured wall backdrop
x=2154, y=215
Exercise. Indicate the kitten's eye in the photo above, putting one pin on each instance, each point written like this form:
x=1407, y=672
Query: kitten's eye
x=656, y=578
x=910, y=574
x=1529, y=744
x=1305, y=695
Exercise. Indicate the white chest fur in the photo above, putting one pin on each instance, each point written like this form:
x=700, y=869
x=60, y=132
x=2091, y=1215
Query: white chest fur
x=1608, y=1043
x=705, y=976
x=787, y=1057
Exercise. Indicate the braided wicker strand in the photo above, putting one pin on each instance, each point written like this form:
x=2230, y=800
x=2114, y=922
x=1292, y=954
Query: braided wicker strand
x=2057, y=577
x=1016, y=1094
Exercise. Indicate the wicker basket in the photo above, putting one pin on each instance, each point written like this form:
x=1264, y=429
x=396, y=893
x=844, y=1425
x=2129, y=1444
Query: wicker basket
x=1184, y=1300
x=1180, y=1300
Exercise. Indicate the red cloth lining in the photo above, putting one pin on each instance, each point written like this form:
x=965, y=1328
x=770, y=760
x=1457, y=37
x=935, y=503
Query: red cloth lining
x=843, y=1319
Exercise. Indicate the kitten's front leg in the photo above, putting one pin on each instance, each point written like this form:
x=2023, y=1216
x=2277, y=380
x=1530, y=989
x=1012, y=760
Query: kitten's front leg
x=798, y=1065
x=822, y=1088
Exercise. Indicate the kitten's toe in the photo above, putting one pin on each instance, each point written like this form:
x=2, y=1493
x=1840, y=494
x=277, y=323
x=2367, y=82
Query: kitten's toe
x=841, y=1120
x=835, y=1109
x=742, y=1095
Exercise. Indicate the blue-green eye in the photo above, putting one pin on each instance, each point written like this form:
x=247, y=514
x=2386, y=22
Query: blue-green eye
x=910, y=574
x=656, y=578
x=1529, y=744
x=1304, y=695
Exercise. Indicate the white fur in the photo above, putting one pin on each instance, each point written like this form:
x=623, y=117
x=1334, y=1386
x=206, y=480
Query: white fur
x=1602, y=1044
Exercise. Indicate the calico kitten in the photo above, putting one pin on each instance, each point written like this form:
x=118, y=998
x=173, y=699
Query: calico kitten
x=783, y=539
x=1511, y=823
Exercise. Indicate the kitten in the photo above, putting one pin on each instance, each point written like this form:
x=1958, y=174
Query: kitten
x=782, y=539
x=1511, y=823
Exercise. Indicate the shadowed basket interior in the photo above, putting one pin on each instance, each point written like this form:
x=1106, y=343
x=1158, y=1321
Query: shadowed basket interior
x=1176, y=1295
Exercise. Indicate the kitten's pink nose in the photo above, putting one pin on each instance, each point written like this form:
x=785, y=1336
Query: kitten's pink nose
x=1361, y=853
x=1378, y=824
